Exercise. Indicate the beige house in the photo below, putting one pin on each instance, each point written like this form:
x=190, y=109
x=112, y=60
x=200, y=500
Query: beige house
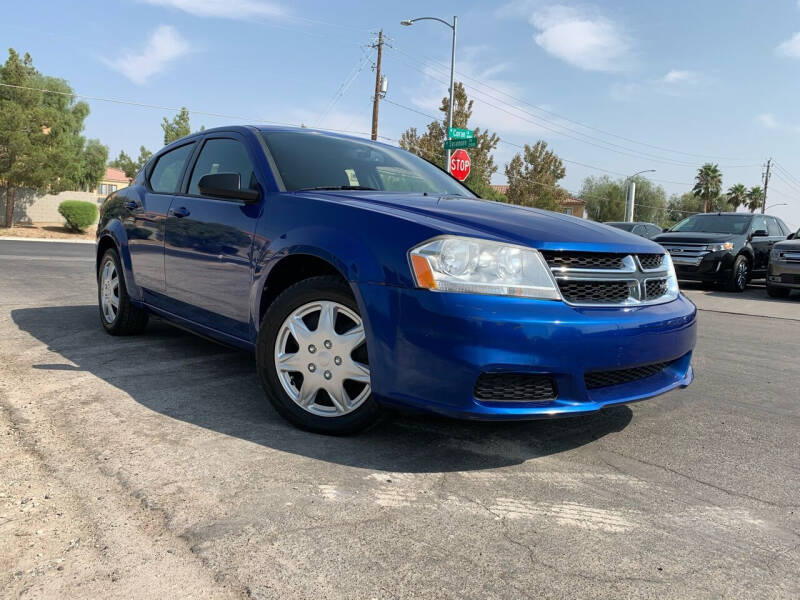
x=569, y=206
x=113, y=180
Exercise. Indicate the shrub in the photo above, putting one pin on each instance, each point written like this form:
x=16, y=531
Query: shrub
x=78, y=214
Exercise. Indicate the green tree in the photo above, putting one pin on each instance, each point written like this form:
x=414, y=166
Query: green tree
x=606, y=200
x=755, y=197
x=430, y=144
x=130, y=166
x=533, y=178
x=681, y=206
x=91, y=166
x=737, y=196
x=40, y=142
x=177, y=128
x=708, y=185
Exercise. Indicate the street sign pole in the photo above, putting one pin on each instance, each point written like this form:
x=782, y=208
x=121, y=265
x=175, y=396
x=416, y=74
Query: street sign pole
x=452, y=91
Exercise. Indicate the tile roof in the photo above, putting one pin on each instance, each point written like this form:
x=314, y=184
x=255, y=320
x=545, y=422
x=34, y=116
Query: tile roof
x=113, y=174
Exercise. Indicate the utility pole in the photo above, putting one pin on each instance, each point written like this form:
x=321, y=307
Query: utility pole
x=766, y=183
x=377, y=97
x=631, y=201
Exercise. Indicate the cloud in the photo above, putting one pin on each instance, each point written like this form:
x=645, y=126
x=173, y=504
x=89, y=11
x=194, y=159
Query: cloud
x=487, y=112
x=790, y=48
x=589, y=42
x=679, y=76
x=226, y=9
x=164, y=46
x=767, y=120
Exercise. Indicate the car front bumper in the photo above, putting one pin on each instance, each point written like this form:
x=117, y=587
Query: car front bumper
x=784, y=274
x=714, y=266
x=427, y=350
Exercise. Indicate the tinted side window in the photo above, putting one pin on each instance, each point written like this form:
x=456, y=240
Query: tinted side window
x=223, y=156
x=773, y=228
x=654, y=230
x=758, y=223
x=166, y=175
x=638, y=230
x=782, y=225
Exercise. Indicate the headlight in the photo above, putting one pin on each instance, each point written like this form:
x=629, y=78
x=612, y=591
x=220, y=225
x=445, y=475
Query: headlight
x=775, y=254
x=475, y=266
x=673, y=291
x=720, y=246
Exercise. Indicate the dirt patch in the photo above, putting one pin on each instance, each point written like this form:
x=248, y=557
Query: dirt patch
x=54, y=231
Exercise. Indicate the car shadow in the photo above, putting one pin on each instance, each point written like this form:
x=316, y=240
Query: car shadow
x=197, y=381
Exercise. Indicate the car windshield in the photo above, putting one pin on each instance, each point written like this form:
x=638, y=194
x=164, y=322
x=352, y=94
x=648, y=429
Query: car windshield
x=734, y=224
x=624, y=226
x=307, y=160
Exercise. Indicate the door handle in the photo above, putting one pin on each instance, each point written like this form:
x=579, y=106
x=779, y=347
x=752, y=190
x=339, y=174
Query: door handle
x=131, y=205
x=179, y=212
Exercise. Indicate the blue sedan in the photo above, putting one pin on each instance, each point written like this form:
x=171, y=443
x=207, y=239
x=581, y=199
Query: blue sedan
x=363, y=277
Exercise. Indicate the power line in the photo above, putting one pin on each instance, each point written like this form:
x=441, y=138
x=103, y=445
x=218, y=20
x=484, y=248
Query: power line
x=175, y=109
x=441, y=67
x=521, y=146
x=344, y=86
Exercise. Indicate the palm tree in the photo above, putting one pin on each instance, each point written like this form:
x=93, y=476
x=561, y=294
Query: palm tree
x=737, y=196
x=708, y=184
x=755, y=197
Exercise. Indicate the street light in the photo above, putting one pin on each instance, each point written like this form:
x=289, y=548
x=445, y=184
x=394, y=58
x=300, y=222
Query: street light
x=454, y=27
x=774, y=205
x=632, y=194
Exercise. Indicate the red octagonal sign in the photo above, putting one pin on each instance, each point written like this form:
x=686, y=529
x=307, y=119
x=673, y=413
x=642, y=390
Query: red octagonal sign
x=459, y=164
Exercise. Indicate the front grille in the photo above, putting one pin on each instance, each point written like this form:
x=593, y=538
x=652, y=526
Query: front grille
x=655, y=288
x=601, y=292
x=583, y=260
x=651, y=261
x=515, y=387
x=600, y=379
x=686, y=254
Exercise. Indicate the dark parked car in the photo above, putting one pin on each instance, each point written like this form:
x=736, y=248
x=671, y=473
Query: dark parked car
x=784, y=267
x=363, y=277
x=642, y=228
x=727, y=248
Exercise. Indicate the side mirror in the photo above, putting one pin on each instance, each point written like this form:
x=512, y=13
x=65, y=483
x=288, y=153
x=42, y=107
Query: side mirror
x=665, y=230
x=226, y=185
x=759, y=233
x=791, y=236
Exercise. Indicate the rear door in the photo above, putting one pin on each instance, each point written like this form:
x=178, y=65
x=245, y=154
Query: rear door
x=209, y=240
x=146, y=219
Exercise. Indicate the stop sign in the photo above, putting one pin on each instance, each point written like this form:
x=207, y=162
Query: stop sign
x=459, y=165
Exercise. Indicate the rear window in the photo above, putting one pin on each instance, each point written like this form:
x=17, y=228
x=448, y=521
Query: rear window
x=733, y=224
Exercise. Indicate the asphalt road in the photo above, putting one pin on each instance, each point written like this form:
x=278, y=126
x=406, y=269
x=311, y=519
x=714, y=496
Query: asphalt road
x=151, y=466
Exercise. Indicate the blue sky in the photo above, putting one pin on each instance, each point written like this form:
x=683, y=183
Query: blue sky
x=661, y=85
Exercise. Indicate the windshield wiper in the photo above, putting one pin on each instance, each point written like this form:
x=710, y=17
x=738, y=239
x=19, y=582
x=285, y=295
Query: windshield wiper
x=336, y=187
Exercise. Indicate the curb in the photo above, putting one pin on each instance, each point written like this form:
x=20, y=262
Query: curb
x=11, y=238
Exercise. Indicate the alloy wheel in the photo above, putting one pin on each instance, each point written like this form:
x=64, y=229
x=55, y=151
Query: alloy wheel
x=741, y=275
x=321, y=360
x=109, y=291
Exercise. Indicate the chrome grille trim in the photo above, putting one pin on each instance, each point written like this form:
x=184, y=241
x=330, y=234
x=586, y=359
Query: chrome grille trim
x=603, y=287
x=685, y=253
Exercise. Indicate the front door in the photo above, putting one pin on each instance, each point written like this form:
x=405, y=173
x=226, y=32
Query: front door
x=762, y=244
x=146, y=217
x=209, y=240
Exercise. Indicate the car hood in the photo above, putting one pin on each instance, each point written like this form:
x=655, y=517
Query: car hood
x=694, y=237
x=517, y=224
x=788, y=245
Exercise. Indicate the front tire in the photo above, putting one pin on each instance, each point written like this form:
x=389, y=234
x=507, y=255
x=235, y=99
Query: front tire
x=312, y=359
x=740, y=275
x=117, y=314
x=778, y=292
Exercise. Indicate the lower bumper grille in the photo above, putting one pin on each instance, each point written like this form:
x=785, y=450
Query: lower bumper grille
x=788, y=278
x=515, y=387
x=600, y=379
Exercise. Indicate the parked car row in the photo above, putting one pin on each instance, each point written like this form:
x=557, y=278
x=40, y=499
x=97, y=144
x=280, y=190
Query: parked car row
x=730, y=249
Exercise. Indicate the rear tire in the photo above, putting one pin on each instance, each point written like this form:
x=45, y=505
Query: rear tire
x=117, y=314
x=778, y=292
x=740, y=275
x=298, y=357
